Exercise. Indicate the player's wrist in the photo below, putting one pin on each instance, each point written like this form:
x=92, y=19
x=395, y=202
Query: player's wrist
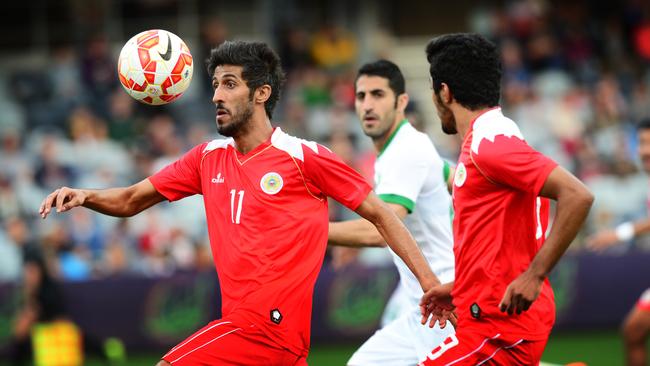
x=625, y=231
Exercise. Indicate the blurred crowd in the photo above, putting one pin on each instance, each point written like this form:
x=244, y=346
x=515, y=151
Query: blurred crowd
x=576, y=80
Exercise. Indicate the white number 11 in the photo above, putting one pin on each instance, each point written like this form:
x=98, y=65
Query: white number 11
x=235, y=218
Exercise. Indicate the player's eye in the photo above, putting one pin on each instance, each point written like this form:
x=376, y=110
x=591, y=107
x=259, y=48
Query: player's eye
x=360, y=96
x=230, y=84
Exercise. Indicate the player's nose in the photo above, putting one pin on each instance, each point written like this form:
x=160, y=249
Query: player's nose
x=218, y=96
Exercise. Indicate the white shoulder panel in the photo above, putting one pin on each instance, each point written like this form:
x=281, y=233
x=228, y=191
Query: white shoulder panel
x=218, y=144
x=492, y=124
x=292, y=145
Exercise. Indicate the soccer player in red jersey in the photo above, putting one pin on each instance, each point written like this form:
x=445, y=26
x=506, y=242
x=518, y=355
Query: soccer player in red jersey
x=265, y=195
x=636, y=326
x=501, y=294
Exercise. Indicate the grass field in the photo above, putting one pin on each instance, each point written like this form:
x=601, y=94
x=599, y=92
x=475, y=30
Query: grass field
x=594, y=348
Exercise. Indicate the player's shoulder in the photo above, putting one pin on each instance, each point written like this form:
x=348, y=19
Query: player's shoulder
x=491, y=125
x=409, y=143
x=214, y=145
x=296, y=147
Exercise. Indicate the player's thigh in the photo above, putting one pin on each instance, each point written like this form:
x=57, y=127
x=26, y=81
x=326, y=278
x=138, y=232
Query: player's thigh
x=404, y=341
x=425, y=338
x=223, y=342
x=636, y=325
x=472, y=348
x=390, y=345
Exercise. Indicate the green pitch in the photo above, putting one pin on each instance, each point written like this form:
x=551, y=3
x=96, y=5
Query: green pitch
x=593, y=348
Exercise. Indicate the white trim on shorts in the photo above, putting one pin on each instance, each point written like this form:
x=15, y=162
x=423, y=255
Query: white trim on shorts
x=194, y=336
x=205, y=344
x=474, y=351
x=499, y=349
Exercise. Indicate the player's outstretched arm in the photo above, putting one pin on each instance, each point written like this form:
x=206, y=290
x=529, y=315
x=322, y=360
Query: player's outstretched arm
x=623, y=232
x=573, y=203
x=360, y=233
x=398, y=238
x=120, y=202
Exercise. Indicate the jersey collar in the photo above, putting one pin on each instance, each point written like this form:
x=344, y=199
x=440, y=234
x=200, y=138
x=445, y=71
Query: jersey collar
x=392, y=136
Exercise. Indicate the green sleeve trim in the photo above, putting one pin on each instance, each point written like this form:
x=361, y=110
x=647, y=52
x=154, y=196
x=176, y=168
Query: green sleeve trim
x=400, y=200
x=446, y=170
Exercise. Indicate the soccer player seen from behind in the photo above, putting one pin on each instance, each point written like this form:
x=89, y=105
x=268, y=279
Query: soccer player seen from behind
x=265, y=196
x=501, y=293
x=410, y=178
x=636, y=326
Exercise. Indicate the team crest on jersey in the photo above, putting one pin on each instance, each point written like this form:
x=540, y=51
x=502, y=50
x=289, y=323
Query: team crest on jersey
x=271, y=183
x=461, y=175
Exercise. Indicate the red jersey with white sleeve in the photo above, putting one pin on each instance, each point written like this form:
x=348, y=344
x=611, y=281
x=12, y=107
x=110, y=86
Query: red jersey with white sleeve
x=499, y=226
x=267, y=221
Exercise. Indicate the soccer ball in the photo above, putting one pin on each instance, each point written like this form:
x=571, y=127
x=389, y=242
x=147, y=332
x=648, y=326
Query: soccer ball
x=155, y=67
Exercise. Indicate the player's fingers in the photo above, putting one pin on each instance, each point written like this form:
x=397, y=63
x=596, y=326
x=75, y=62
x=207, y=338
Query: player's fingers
x=505, y=301
x=60, y=199
x=46, y=205
x=519, y=305
x=454, y=319
x=432, y=321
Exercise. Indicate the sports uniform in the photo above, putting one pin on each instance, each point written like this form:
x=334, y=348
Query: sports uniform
x=409, y=172
x=644, y=301
x=267, y=221
x=499, y=226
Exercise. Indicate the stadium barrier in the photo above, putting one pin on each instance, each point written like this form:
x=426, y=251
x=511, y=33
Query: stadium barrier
x=592, y=291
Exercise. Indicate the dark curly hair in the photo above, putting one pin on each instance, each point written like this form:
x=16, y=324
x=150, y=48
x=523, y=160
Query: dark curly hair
x=260, y=66
x=386, y=70
x=470, y=66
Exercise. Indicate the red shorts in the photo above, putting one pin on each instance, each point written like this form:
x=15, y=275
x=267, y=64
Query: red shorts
x=644, y=301
x=473, y=348
x=230, y=342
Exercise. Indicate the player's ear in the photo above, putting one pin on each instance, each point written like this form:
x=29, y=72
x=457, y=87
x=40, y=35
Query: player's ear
x=445, y=93
x=262, y=94
x=402, y=102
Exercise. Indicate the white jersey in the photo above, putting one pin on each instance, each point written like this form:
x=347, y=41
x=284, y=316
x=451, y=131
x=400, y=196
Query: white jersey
x=409, y=172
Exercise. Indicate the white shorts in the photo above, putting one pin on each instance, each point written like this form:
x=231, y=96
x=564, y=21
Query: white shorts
x=403, y=342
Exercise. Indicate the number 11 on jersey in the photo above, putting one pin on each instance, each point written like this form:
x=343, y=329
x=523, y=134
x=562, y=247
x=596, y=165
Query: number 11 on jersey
x=236, y=217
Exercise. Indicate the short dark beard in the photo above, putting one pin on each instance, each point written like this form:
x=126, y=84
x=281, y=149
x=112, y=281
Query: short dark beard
x=240, y=122
x=447, y=119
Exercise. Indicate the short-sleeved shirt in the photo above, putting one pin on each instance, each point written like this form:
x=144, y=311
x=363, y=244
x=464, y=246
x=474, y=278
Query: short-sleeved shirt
x=499, y=226
x=410, y=172
x=268, y=222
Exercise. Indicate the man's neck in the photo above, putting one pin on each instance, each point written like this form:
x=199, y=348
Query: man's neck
x=380, y=143
x=259, y=130
x=464, y=118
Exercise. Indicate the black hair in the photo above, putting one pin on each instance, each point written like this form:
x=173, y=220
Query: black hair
x=470, y=65
x=260, y=66
x=644, y=124
x=387, y=70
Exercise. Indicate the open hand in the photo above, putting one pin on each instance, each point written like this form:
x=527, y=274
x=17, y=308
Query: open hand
x=63, y=199
x=436, y=306
x=602, y=240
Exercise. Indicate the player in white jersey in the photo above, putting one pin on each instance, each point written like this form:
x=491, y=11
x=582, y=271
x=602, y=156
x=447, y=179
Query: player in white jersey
x=410, y=178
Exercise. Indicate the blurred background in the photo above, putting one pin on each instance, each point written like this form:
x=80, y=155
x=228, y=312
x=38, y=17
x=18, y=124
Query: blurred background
x=576, y=80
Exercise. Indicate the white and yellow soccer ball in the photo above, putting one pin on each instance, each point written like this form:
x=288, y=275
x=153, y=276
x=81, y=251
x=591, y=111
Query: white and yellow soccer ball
x=155, y=67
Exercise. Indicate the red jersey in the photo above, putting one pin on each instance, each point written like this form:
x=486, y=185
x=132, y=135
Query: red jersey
x=268, y=223
x=499, y=225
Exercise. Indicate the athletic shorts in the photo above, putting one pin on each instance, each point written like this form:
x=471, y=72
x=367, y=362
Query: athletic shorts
x=644, y=300
x=403, y=342
x=231, y=342
x=473, y=348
